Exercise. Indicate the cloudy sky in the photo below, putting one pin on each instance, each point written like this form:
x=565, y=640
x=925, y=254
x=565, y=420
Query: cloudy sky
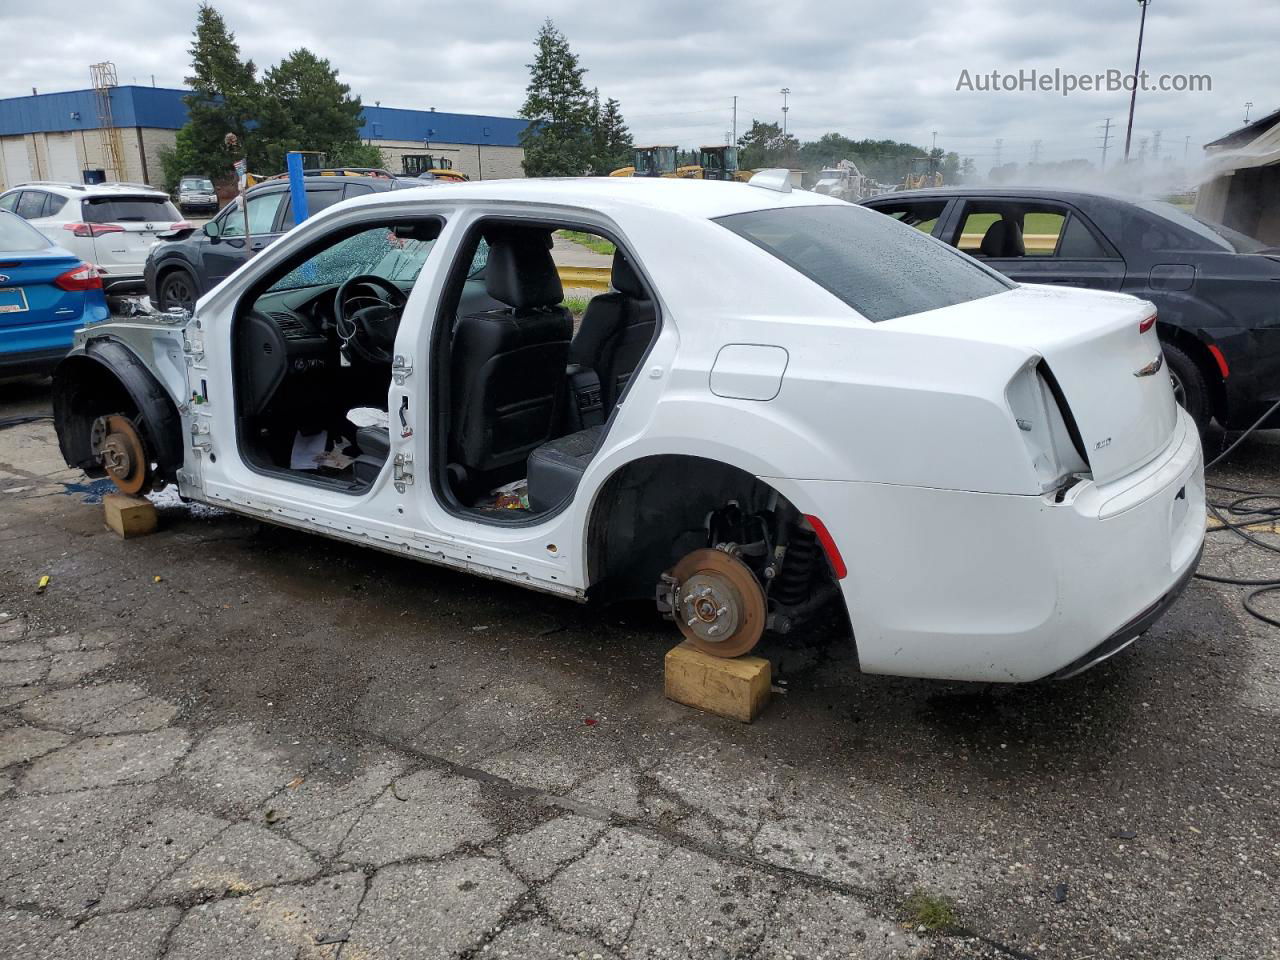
x=865, y=68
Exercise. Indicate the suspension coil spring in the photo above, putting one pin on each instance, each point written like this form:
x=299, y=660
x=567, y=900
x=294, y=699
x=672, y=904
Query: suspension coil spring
x=791, y=586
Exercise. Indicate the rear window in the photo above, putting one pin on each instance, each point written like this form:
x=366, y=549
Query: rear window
x=17, y=236
x=881, y=268
x=129, y=210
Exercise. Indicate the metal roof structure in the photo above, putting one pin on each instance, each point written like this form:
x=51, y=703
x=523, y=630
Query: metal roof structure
x=163, y=108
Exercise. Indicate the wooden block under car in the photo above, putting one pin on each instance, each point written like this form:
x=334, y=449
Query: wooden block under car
x=129, y=516
x=736, y=688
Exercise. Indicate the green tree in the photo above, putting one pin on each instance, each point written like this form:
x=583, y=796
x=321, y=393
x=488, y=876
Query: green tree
x=558, y=141
x=765, y=145
x=224, y=99
x=180, y=159
x=612, y=144
x=306, y=107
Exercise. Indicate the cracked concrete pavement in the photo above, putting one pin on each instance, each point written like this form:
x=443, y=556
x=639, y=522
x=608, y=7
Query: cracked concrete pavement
x=289, y=747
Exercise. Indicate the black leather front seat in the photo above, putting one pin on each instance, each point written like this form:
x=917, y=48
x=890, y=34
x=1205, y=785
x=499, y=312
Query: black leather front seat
x=1003, y=239
x=615, y=332
x=508, y=365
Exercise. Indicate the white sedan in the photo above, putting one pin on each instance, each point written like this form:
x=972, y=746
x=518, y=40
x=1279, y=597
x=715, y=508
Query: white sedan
x=783, y=401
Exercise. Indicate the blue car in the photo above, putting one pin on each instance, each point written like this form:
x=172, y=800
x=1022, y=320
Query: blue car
x=46, y=294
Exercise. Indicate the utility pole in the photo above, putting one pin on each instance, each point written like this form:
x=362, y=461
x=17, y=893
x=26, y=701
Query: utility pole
x=1106, y=141
x=1137, y=63
x=935, y=144
x=1155, y=146
x=1248, y=105
x=735, y=120
x=999, y=148
x=786, y=92
x=1186, y=149
x=1035, y=151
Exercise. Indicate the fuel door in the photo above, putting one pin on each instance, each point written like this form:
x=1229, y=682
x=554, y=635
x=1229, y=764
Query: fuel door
x=748, y=371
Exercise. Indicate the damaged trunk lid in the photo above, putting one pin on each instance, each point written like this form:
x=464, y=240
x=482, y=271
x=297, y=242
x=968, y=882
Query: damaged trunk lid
x=1099, y=348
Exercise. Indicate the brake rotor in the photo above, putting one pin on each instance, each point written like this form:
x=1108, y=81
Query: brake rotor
x=719, y=604
x=119, y=448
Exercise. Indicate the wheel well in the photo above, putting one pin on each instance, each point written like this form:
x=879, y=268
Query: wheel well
x=653, y=511
x=1198, y=351
x=166, y=270
x=112, y=380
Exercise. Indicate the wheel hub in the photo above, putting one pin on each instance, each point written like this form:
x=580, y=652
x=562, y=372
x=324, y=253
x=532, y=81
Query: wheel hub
x=719, y=604
x=118, y=446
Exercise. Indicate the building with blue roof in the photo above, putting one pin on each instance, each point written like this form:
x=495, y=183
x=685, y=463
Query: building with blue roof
x=64, y=136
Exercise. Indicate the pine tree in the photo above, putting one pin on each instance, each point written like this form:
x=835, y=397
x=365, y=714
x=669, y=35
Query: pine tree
x=618, y=146
x=558, y=140
x=306, y=107
x=224, y=97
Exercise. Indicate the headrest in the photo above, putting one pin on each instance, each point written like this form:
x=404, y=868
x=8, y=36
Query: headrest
x=520, y=271
x=624, y=278
x=1003, y=239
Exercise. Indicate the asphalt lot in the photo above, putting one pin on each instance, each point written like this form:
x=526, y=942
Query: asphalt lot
x=228, y=740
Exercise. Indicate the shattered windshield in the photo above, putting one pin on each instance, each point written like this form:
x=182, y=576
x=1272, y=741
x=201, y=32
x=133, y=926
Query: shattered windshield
x=378, y=251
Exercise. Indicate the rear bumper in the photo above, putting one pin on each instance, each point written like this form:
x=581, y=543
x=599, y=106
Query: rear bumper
x=957, y=585
x=31, y=362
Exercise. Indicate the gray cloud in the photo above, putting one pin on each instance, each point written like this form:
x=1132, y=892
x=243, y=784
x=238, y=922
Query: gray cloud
x=882, y=68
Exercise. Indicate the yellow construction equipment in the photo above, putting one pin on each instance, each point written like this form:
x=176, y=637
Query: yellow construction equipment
x=720, y=162
x=922, y=173
x=659, y=161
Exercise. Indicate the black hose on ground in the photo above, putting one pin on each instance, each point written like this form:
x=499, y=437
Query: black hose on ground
x=1247, y=515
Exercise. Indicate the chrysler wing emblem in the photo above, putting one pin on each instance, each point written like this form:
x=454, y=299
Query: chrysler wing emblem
x=1152, y=368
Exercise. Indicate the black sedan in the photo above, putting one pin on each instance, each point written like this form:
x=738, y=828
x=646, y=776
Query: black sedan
x=185, y=265
x=1217, y=292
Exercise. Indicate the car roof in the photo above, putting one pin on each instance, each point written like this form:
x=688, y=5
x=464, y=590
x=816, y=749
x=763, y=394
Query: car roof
x=69, y=189
x=701, y=199
x=282, y=183
x=1065, y=194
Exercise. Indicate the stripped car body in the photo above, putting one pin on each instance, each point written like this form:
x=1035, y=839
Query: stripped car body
x=977, y=470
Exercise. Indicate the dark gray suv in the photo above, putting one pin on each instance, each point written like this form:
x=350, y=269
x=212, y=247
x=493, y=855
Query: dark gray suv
x=187, y=264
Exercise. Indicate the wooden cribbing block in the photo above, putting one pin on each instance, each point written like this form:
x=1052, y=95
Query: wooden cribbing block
x=129, y=516
x=735, y=688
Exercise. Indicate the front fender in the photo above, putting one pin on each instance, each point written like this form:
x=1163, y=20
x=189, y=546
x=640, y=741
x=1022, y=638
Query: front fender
x=104, y=377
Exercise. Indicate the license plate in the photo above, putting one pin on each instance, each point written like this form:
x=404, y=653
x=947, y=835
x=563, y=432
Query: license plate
x=13, y=300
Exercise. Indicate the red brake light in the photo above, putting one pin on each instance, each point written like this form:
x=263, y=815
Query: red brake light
x=1147, y=324
x=83, y=277
x=92, y=229
x=829, y=547
x=182, y=225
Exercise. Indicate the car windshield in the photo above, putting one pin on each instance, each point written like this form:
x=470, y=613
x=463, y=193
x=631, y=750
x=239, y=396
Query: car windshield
x=129, y=210
x=198, y=185
x=1217, y=234
x=17, y=236
x=878, y=266
x=379, y=252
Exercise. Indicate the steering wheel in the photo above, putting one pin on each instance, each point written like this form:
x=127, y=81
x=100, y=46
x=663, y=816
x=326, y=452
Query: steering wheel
x=370, y=330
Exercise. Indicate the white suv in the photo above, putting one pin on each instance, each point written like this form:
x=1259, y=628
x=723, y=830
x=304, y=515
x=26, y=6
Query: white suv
x=111, y=225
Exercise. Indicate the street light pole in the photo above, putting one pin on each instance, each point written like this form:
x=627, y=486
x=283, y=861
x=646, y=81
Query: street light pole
x=786, y=92
x=1137, y=63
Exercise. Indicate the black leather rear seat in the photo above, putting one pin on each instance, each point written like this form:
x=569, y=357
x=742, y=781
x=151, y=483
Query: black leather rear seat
x=556, y=467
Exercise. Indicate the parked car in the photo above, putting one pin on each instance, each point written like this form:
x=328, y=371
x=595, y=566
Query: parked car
x=187, y=264
x=1215, y=289
x=111, y=225
x=785, y=399
x=197, y=195
x=46, y=293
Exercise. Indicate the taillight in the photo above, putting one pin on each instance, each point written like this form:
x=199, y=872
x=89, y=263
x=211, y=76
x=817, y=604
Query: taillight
x=92, y=229
x=78, y=279
x=176, y=228
x=1146, y=323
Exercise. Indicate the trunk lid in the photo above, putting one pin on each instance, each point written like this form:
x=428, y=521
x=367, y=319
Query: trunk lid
x=1111, y=375
x=125, y=229
x=27, y=293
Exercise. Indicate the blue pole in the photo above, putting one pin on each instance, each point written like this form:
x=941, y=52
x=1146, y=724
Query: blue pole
x=297, y=187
